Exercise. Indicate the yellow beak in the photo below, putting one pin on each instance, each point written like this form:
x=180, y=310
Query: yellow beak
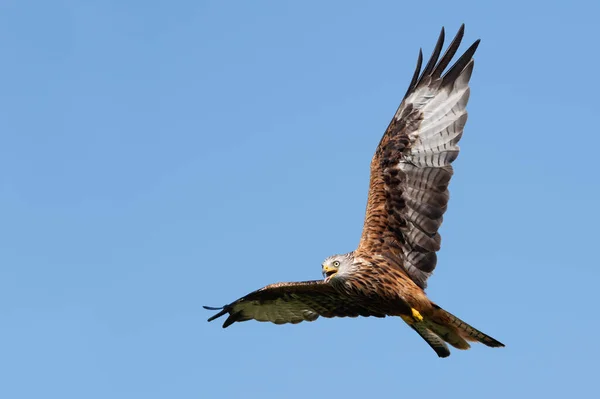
x=328, y=271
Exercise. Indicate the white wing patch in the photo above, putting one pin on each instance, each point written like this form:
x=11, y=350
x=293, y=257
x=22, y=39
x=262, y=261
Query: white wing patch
x=444, y=116
x=426, y=165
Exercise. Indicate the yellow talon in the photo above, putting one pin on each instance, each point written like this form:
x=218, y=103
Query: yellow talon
x=416, y=315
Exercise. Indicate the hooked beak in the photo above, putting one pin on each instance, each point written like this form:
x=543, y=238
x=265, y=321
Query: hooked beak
x=328, y=271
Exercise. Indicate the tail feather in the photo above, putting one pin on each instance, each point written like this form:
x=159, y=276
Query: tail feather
x=438, y=327
x=449, y=334
x=466, y=331
x=436, y=343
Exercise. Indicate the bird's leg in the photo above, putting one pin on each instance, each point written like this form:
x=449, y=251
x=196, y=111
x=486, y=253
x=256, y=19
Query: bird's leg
x=414, y=318
x=416, y=315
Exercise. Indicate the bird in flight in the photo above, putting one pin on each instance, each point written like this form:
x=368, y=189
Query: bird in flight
x=408, y=195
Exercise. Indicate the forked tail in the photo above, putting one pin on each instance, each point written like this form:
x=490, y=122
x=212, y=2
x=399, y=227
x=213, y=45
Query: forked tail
x=440, y=327
x=446, y=322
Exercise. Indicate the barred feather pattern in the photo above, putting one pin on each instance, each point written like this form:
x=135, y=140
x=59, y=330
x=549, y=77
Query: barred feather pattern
x=293, y=302
x=411, y=169
x=465, y=330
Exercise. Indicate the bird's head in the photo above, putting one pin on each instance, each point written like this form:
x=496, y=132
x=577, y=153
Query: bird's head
x=336, y=265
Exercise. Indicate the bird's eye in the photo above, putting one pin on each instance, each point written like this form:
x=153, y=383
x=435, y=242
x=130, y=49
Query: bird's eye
x=336, y=263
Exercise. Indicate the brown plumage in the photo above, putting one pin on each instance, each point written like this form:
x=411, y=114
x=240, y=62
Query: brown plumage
x=408, y=195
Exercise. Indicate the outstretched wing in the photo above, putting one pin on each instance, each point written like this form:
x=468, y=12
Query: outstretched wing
x=292, y=303
x=411, y=168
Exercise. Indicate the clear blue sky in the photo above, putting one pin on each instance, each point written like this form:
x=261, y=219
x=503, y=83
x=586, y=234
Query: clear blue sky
x=158, y=156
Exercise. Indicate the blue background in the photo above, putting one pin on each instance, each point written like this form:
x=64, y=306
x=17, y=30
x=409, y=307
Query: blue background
x=158, y=156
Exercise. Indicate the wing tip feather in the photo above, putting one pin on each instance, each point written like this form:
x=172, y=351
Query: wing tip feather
x=230, y=320
x=415, y=78
x=461, y=64
x=435, y=55
x=223, y=311
x=435, y=69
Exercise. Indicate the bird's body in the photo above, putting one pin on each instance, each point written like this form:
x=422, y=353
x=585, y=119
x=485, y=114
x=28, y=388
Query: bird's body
x=408, y=195
x=369, y=277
